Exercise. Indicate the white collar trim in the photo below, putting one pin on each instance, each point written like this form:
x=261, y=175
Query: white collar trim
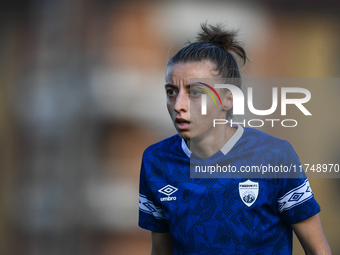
x=226, y=148
x=185, y=148
x=233, y=140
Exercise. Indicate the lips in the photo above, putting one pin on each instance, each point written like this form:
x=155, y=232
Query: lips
x=182, y=123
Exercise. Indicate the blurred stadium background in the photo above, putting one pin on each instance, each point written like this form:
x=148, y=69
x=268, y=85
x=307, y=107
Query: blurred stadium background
x=82, y=96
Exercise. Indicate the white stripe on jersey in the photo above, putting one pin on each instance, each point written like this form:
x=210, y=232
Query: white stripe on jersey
x=295, y=197
x=147, y=206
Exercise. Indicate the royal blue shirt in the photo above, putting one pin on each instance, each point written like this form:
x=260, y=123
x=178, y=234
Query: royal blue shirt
x=224, y=215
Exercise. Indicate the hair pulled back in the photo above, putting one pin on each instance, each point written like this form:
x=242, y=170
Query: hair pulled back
x=217, y=45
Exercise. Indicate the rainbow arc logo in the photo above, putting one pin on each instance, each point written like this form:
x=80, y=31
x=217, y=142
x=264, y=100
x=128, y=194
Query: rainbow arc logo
x=204, y=98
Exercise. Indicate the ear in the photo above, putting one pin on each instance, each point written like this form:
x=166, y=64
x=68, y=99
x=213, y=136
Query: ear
x=227, y=101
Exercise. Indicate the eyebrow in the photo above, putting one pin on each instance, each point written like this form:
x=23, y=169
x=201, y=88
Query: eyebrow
x=168, y=85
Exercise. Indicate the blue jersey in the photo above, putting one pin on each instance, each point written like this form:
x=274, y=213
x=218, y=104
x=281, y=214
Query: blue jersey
x=223, y=215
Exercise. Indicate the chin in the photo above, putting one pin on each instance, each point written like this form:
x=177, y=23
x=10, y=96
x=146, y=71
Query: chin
x=184, y=134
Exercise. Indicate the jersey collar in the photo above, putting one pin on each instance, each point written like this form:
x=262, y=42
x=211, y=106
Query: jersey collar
x=226, y=148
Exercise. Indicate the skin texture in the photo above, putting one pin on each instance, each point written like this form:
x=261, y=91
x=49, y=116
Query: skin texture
x=311, y=236
x=161, y=244
x=184, y=105
x=204, y=141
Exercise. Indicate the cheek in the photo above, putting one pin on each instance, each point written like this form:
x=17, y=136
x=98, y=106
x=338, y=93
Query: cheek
x=170, y=107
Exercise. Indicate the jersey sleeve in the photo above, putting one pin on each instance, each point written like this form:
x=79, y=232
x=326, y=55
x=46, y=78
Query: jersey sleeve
x=151, y=214
x=296, y=201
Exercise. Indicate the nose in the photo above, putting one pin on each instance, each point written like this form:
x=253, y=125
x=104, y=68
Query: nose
x=182, y=102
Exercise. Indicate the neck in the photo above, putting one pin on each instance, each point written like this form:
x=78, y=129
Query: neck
x=207, y=146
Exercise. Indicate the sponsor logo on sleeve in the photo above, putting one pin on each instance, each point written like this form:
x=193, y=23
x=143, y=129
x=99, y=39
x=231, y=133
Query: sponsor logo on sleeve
x=295, y=197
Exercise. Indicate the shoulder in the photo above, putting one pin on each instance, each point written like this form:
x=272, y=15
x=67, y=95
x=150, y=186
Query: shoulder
x=260, y=138
x=251, y=132
x=262, y=142
x=169, y=145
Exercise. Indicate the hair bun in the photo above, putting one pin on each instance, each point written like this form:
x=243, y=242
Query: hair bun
x=224, y=39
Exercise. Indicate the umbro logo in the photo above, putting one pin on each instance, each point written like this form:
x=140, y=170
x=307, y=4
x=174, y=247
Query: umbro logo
x=168, y=190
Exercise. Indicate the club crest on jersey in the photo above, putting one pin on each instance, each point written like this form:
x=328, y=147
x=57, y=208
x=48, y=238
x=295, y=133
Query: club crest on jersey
x=248, y=191
x=168, y=190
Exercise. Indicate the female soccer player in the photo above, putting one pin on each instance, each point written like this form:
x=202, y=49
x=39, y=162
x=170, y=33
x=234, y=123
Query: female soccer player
x=220, y=215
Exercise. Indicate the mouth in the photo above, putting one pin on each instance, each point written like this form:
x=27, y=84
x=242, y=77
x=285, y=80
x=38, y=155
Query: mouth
x=182, y=123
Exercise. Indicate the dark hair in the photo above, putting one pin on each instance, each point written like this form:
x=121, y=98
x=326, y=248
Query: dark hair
x=216, y=45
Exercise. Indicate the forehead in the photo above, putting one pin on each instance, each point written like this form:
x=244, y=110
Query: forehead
x=183, y=72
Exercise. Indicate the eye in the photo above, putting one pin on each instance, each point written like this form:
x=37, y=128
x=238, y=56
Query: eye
x=171, y=93
x=195, y=92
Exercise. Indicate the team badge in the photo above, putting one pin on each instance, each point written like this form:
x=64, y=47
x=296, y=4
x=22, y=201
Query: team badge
x=248, y=191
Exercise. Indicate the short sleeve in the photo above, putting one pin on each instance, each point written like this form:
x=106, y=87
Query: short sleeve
x=296, y=201
x=151, y=214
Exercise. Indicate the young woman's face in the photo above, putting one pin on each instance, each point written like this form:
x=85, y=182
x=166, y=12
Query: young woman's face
x=184, y=99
